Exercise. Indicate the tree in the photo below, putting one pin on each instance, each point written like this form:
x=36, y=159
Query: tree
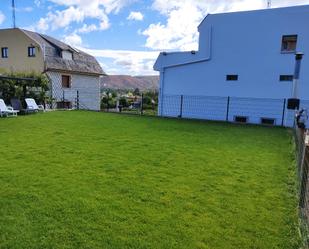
x=136, y=92
x=123, y=101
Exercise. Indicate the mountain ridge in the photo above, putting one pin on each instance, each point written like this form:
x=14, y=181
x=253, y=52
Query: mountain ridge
x=130, y=82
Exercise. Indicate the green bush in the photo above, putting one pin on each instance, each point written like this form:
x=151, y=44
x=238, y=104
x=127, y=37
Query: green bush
x=22, y=89
x=147, y=100
x=124, y=102
x=108, y=102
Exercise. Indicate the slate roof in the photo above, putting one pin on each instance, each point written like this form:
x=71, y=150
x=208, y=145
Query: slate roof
x=82, y=62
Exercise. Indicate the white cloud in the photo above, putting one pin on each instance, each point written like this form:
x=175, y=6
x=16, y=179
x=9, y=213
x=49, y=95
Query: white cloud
x=87, y=28
x=77, y=11
x=183, y=16
x=37, y=3
x=42, y=25
x=73, y=40
x=136, y=16
x=109, y=5
x=25, y=9
x=127, y=61
x=2, y=17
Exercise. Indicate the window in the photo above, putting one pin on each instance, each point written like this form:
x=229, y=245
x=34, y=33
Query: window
x=64, y=105
x=286, y=77
x=67, y=55
x=241, y=119
x=231, y=77
x=31, y=51
x=268, y=121
x=4, y=52
x=66, y=81
x=289, y=43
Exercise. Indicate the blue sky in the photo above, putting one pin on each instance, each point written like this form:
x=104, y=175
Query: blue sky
x=124, y=35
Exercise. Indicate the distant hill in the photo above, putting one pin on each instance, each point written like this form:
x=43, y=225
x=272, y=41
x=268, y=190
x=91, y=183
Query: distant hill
x=130, y=82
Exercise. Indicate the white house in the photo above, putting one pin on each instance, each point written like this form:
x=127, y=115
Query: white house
x=74, y=75
x=245, y=64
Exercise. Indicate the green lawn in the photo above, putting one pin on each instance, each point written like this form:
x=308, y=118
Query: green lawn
x=97, y=180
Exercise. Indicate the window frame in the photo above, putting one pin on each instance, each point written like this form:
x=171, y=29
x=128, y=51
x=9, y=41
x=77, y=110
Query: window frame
x=69, y=81
x=283, y=50
x=4, y=52
x=31, y=51
x=286, y=77
x=241, y=117
x=265, y=121
x=232, y=77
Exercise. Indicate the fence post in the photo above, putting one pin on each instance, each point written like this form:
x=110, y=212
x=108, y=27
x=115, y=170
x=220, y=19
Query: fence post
x=303, y=166
x=181, y=106
x=107, y=107
x=25, y=91
x=63, y=99
x=283, y=112
x=227, y=109
x=77, y=100
x=142, y=107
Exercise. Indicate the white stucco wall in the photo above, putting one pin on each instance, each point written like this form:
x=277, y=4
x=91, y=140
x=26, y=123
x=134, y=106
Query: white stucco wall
x=88, y=87
x=247, y=44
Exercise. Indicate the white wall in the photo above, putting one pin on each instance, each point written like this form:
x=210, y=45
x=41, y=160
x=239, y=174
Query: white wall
x=247, y=44
x=88, y=87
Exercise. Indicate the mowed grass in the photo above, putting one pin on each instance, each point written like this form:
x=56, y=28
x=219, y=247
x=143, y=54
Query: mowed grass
x=94, y=180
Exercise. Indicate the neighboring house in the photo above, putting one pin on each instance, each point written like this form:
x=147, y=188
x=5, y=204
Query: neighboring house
x=248, y=55
x=69, y=70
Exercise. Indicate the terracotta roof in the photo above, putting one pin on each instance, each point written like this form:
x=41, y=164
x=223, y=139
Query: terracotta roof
x=82, y=62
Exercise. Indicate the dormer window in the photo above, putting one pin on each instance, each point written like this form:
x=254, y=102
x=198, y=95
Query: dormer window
x=67, y=55
x=289, y=43
x=31, y=51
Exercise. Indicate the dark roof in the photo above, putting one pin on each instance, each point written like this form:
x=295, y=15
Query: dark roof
x=82, y=62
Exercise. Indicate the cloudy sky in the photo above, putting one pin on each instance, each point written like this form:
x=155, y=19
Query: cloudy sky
x=124, y=35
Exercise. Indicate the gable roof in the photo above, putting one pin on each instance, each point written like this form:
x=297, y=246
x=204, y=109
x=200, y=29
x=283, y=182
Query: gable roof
x=82, y=62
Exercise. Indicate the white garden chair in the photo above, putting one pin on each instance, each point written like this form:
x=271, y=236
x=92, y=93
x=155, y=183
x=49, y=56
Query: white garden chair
x=32, y=105
x=7, y=110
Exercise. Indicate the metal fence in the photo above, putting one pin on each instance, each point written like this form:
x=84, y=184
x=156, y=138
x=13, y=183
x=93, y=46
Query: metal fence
x=302, y=159
x=75, y=99
x=229, y=109
x=139, y=105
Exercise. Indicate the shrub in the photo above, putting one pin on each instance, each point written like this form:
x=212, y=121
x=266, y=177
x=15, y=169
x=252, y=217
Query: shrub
x=37, y=89
x=147, y=100
x=108, y=102
x=124, y=102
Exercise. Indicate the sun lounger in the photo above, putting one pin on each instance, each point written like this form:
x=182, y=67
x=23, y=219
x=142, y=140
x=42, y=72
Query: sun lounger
x=7, y=110
x=17, y=105
x=32, y=105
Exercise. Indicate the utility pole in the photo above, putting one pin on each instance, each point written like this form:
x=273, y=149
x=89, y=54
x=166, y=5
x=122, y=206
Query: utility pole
x=13, y=14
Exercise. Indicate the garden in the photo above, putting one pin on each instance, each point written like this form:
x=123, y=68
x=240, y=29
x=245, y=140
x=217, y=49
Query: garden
x=77, y=179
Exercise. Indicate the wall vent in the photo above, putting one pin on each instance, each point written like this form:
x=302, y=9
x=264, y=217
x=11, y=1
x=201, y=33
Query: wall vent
x=241, y=119
x=268, y=121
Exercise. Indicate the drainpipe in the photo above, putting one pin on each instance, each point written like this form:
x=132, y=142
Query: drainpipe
x=294, y=101
x=298, y=58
